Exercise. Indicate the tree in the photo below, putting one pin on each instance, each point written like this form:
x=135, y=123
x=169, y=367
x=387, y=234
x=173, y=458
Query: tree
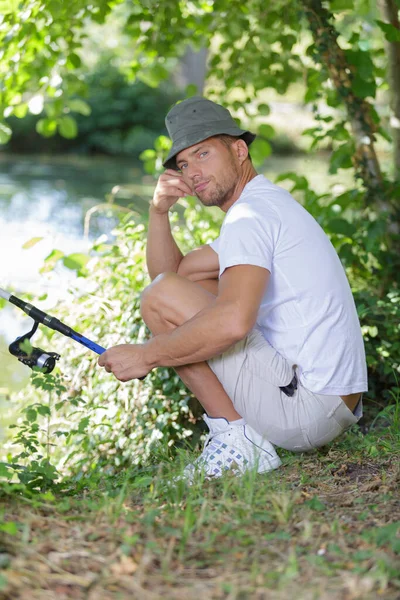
x=391, y=29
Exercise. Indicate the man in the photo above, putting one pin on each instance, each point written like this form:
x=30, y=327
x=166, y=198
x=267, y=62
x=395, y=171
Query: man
x=261, y=324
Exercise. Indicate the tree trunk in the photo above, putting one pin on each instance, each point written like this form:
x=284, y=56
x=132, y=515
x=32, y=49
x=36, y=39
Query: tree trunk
x=193, y=69
x=390, y=14
x=340, y=71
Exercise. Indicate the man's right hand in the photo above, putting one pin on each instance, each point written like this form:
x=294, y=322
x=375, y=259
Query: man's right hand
x=170, y=187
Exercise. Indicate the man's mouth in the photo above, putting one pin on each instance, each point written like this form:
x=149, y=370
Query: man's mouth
x=200, y=186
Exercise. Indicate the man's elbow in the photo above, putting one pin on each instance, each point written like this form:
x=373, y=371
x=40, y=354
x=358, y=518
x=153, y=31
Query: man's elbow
x=239, y=326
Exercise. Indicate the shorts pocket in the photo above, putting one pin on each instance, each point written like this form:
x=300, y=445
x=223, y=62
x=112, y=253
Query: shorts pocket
x=344, y=417
x=326, y=419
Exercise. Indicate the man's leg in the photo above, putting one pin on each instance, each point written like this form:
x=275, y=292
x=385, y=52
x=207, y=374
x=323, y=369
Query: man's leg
x=167, y=303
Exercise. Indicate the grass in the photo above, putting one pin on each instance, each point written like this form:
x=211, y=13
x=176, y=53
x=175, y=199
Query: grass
x=326, y=525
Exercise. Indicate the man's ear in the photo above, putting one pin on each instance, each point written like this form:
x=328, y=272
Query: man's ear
x=242, y=150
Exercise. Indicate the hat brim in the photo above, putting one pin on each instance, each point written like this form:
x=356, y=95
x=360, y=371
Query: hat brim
x=199, y=136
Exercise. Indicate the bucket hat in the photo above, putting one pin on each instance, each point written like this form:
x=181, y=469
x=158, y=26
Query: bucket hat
x=196, y=119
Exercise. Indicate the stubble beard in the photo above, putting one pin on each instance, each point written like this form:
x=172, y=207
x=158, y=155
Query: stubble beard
x=221, y=191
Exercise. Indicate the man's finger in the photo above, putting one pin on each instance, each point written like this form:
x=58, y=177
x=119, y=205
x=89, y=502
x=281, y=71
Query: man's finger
x=172, y=172
x=179, y=192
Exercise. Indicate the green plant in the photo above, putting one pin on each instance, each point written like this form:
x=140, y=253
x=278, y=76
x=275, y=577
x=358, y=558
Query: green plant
x=101, y=424
x=35, y=438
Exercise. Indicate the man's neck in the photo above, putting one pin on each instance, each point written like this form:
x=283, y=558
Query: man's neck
x=248, y=173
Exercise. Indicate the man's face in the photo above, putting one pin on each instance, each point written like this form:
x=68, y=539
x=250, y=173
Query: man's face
x=211, y=169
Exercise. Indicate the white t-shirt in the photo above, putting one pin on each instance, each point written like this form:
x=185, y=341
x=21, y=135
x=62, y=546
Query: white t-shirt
x=307, y=312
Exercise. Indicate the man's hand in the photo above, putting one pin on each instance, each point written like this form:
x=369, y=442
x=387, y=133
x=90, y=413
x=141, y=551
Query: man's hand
x=126, y=361
x=170, y=187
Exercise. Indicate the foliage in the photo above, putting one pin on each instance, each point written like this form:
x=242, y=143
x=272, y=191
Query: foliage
x=39, y=43
x=32, y=464
x=101, y=422
x=380, y=322
x=116, y=117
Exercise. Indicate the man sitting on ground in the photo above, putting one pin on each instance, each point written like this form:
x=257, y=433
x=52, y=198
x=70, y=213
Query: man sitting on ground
x=260, y=324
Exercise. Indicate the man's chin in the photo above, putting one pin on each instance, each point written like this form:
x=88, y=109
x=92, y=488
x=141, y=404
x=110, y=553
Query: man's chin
x=207, y=200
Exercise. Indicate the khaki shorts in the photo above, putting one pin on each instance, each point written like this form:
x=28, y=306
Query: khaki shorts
x=251, y=372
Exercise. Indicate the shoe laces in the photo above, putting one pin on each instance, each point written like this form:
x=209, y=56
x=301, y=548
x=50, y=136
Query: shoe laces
x=213, y=434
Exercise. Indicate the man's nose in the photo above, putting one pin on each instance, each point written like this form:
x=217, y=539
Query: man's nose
x=193, y=172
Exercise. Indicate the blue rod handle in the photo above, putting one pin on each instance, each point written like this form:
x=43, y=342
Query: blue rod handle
x=88, y=343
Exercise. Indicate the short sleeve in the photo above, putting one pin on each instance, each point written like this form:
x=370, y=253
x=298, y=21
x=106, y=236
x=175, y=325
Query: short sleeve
x=248, y=237
x=215, y=245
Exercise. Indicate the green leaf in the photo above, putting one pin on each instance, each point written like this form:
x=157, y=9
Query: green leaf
x=83, y=423
x=363, y=63
x=67, y=127
x=8, y=6
x=80, y=106
x=363, y=88
x=315, y=504
x=266, y=131
x=341, y=158
x=31, y=415
x=32, y=242
x=4, y=470
x=21, y=110
x=162, y=143
x=191, y=90
x=46, y=127
x=386, y=535
x=51, y=260
x=10, y=528
x=43, y=410
x=25, y=346
x=392, y=34
x=5, y=133
x=74, y=61
x=342, y=227
x=148, y=154
x=338, y=5
x=263, y=109
x=76, y=261
x=260, y=150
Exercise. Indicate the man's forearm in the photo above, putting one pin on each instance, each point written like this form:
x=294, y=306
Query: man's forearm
x=207, y=334
x=162, y=252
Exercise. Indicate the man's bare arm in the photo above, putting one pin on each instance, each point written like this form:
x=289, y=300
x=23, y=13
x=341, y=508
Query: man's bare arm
x=214, y=329
x=162, y=252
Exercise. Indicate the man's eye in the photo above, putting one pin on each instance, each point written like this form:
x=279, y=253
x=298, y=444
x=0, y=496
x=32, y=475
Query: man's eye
x=183, y=166
x=203, y=153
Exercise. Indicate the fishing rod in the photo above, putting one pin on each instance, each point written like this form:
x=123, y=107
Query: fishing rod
x=36, y=357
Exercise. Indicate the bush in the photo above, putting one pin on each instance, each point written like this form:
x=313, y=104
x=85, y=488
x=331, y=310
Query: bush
x=96, y=422
x=380, y=324
x=125, y=118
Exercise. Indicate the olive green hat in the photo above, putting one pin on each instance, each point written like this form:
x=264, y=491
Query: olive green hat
x=195, y=120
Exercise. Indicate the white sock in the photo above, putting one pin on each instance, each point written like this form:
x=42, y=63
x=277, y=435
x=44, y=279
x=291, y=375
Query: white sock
x=238, y=422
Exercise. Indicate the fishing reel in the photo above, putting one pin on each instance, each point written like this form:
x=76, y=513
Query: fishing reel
x=36, y=357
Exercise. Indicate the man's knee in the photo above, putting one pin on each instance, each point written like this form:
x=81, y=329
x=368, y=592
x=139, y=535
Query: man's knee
x=157, y=293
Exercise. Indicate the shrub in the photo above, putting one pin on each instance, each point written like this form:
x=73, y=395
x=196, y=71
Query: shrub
x=98, y=422
x=125, y=118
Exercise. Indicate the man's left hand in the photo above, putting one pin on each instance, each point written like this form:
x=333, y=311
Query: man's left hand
x=126, y=361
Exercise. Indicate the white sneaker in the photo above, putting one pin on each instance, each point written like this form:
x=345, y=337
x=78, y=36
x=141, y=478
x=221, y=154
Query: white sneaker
x=237, y=448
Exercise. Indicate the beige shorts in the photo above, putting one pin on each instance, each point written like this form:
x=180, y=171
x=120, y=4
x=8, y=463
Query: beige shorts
x=251, y=372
